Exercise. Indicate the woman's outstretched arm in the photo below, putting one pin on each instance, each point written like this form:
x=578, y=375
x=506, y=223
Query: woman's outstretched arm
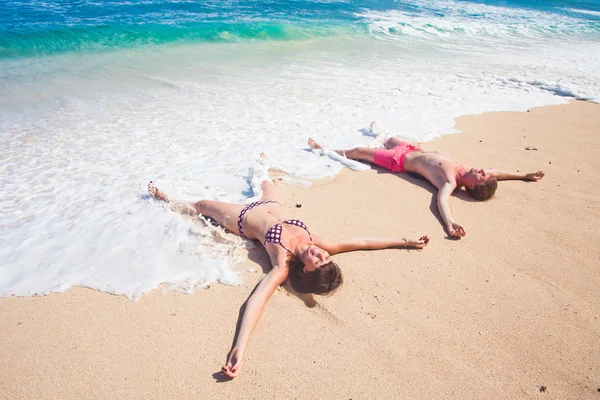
x=335, y=247
x=252, y=313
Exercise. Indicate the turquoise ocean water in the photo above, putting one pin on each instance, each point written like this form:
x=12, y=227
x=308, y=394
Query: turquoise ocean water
x=98, y=97
x=42, y=28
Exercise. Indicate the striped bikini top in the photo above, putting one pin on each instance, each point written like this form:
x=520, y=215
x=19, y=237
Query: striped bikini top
x=273, y=235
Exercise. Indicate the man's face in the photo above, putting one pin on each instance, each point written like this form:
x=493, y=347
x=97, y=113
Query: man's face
x=476, y=176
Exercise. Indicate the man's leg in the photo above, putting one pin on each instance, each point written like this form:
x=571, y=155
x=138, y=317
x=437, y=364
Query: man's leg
x=393, y=142
x=357, y=153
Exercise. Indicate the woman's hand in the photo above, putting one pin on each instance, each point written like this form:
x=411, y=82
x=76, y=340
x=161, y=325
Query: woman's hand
x=418, y=244
x=234, y=363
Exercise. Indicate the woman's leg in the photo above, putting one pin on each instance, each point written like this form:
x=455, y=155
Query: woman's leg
x=357, y=153
x=266, y=186
x=225, y=214
x=268, y=191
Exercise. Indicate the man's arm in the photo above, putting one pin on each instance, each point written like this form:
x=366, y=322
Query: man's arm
x=443, y=202
x=516, y=176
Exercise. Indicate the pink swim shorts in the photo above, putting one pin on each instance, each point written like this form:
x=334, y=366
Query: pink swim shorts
x=393, y=159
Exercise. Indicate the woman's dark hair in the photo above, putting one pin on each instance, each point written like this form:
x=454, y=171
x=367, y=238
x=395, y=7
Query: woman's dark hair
x=322, y=280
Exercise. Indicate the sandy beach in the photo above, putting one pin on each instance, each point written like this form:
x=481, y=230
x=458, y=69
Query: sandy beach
x=511, y=311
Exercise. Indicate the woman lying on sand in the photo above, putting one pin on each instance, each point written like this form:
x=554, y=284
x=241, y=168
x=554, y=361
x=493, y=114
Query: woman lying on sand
x=296, y=254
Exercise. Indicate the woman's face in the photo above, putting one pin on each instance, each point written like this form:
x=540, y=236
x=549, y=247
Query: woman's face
x=314, y=258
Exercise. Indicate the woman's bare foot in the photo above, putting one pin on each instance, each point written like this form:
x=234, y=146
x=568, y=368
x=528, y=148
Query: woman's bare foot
x=157, y=193
x=314, y=145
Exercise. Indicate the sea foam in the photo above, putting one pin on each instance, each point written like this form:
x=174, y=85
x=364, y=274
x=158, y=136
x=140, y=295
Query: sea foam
x=82, y=134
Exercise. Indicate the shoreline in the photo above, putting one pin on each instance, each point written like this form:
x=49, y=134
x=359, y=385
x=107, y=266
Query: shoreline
x=508, y=309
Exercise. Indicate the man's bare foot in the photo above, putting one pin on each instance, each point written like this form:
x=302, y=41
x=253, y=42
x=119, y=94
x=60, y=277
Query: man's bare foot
x=314, y=145
x=157, y=193
x=374, y=127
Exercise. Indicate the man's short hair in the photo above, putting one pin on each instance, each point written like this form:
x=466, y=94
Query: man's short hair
x=484, y=191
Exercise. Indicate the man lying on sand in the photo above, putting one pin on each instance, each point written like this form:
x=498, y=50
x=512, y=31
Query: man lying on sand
x=443, y=171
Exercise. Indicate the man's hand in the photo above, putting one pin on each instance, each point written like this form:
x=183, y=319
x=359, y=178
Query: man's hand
x=456, y=230
x=234, y=363
x=418, y=244
x=534, y=176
